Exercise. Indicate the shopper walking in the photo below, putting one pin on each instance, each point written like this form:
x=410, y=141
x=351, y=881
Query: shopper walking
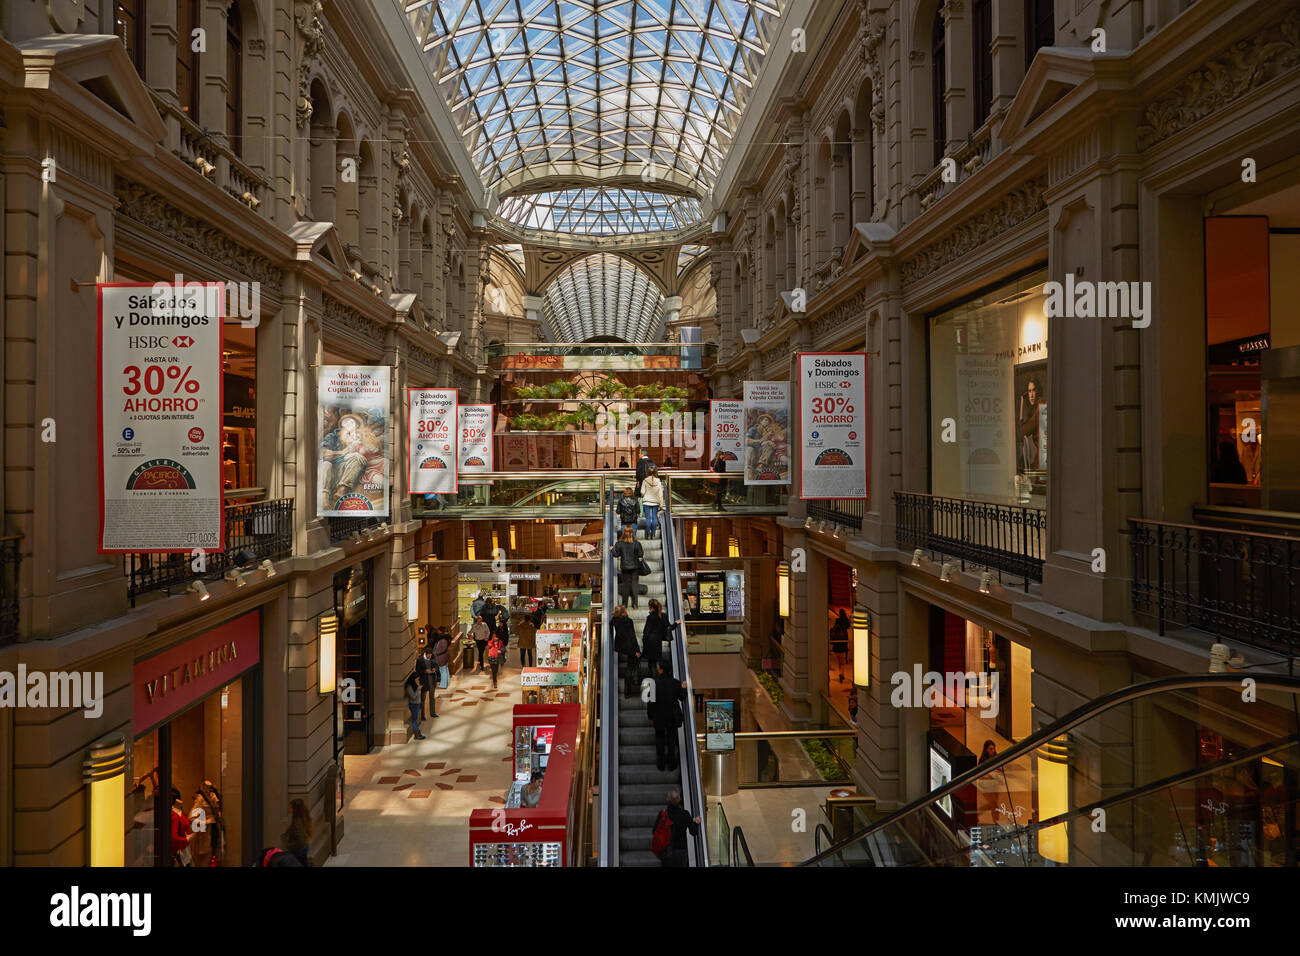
x=476, y=608
x=626, y=646
x=413, y=695
x=480, y=632
x=442, y=656
x=496, y=650
x=427, y=671
x=665, y=710
x=526, y=640
x=627, y=552
x=643, y=466
x=681, y=824
x=628, y=509
x=652, y=498
x=297, y=838
x=654, y=635
x=502, y=630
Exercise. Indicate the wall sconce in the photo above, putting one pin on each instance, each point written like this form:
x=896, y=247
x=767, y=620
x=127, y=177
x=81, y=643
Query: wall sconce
x=413, y=592
x=783, y=588
x=496, y=543
x=470, y=548
x=327, y=629
x=199, y=588
x=708, y=541
x=808, y=523
x=102, y=770
x=917, y=557
x=733, y=548
x=695, y=531
x=1054, y=798
x=513, y=546
x=268, y=567
x=945, y=572
x=861, y=646
x=986, y=582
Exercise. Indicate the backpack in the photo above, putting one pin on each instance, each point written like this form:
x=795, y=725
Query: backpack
x=663, y=835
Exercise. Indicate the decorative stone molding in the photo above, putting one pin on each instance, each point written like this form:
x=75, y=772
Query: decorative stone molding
x=420, y=356
x=1246, y=65
x=871, y=38
x=1019, y=204
x=348, y=318
x=311, y=27
x=153, y=212
x=853, y=308
x=916, y=57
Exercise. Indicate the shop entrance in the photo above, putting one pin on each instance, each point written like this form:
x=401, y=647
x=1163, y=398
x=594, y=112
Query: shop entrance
x=352, y=602
x=841, y=593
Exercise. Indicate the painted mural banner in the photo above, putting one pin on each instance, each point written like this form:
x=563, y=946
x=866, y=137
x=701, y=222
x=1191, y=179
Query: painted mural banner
x=160, y=401
x=431, y=440
x=474, y=427
x=352, y=461
x=832, y=425
x=767, y=433
x=726, y=425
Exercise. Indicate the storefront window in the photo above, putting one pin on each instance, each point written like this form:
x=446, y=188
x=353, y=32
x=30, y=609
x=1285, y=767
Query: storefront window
x=239, y=385
x=989, y=396
x=1252, y=335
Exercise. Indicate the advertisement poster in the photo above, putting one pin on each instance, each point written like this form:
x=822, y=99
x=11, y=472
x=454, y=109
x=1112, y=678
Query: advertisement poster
x=352, y=468
x=430, y=440
x=735, y=594
x=940, y=774
x=514, y=450
x=474, y=425
x=767, y=433
x=160, y=401
x=726, y=419
x=833, y=425
x=984, y=437
x=713, y=594
x=719, y=725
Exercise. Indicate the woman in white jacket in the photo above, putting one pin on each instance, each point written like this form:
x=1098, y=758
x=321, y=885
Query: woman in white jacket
x=652, y=499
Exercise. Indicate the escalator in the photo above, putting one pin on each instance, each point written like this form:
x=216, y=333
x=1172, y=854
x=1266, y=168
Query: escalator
x=633, y=788
x=1182, y=771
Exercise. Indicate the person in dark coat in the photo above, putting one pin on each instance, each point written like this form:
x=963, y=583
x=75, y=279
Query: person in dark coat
x=427, y=671
x=629, y=555
x=626, y=646
x=643, y=466
x=654, y=635
x=442, y=655
x=719, y=467
x=681, y=823
x=413, y=695
x=526, y=633
x=664, y=711
x=628, y=509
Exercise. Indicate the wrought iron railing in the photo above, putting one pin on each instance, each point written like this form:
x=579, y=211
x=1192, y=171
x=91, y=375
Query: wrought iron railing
x=11, y=556
x=1229, y=583
x=842, y=512
x=341, y=528
x=255, y=531
x=1004, y=538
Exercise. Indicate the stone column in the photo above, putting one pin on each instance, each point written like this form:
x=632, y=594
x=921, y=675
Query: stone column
x=1008, y=54
x=958, y=50
x=324, y=172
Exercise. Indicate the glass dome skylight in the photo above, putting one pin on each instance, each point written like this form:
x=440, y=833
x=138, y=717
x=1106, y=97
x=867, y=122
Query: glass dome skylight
x=603, y=295
x=601, y=211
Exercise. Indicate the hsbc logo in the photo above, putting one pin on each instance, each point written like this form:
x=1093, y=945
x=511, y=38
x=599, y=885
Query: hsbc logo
x=182, y=341
x=846, y=384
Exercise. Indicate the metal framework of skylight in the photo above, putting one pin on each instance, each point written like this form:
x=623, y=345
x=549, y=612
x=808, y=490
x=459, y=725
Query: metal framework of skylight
x=601, y=211
x=599, y=90
x=603, y=295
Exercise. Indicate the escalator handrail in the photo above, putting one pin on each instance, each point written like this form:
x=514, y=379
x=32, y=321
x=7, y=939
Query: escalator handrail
x=1044, y=735
x=693, y=783
x=817, y=837
x=738, y=842
x=608, y=701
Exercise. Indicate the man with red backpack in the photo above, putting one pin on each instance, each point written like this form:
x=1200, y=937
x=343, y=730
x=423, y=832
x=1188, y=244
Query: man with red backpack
x=669, y=839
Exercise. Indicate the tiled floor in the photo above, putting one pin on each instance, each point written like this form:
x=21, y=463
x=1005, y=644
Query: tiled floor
x=774, y=833
x=409, y=804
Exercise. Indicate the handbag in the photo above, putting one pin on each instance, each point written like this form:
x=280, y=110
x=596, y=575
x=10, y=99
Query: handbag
x=644, y=568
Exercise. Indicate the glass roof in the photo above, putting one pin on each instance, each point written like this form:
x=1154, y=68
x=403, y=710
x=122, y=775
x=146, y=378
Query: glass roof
x=601, y=211
x=596, y=90
x=603, y=295
x=688, y=254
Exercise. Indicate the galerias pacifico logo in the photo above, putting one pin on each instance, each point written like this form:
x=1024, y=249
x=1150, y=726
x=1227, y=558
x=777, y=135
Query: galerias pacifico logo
x=160, y=474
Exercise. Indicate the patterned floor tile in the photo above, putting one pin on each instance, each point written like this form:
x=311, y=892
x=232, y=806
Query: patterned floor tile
x=436, y=765
x=468, y=778
x=444, y=786
x=420, y=794
x=405, y=786
x=383, y=780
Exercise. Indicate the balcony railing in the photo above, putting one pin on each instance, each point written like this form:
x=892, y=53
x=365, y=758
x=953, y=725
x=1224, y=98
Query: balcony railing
x=10, y=559
x=1229, y=583
x=341, y=528
x=841, y=512
x=262, y=529
x=1003, y=538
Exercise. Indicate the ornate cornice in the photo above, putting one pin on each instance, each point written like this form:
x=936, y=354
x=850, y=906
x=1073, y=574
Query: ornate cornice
x=1246, y=65
x=346, y=317
x=156, y=213
x=1019, y=204
x=839, y=314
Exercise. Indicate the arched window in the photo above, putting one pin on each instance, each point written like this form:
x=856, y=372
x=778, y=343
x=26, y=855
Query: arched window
x=938, y=88
x=129, y=18
x=1040, y=25
x=982, y=58
x=235, y=79
x=187, y=60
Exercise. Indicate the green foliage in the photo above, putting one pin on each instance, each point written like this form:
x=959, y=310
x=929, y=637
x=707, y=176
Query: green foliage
x=561, y=389
x=608, y=387
x=585, y=415
x=823, y=759
x=671, y=408
x=647, y=391
x=672, y=391
x=772, y=686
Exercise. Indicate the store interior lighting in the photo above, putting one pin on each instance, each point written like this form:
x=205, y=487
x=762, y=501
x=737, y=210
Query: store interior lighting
x=917, y=557
x=268, y=567
x=945, y=573
x=733, y=548
x=237, y=576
